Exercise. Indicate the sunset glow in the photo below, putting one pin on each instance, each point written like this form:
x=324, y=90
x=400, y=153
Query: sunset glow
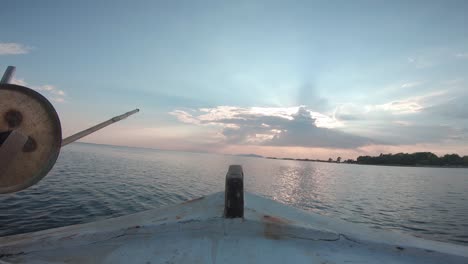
x=302, y=79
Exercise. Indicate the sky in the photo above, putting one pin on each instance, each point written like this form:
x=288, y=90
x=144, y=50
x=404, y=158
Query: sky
x=302, y=79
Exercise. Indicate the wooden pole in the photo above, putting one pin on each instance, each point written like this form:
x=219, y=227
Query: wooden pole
x=95, y=128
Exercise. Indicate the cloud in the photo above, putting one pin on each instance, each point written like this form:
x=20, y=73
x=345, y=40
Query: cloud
x=455, y=108
x=51, y=92
x=185, y=117
x=268, y=126
x=430, y=118
x=421, y=62
x=462, y=55
x=410, y=84
x=399, y=107
x=13, y=49
x=225, y=114
x=302, y=131
x=427, y=118
x=390, y=110
x=407, y=133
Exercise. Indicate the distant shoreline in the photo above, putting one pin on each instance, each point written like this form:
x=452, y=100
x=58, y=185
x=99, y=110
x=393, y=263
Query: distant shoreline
x=293, y=159
x=386, y=165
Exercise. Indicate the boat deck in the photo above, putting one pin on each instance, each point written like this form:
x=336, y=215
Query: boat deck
x=197, y=232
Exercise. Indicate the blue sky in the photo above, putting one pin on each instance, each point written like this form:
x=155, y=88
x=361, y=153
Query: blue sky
x=296, y=78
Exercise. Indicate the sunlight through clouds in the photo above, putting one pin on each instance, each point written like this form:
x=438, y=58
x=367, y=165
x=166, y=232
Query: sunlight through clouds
x=210, y=81
x=270, y=126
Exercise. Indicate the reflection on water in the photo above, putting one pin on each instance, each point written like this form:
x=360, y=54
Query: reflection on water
x=91, y=182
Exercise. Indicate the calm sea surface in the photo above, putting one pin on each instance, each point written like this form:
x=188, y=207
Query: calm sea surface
x=91, y=182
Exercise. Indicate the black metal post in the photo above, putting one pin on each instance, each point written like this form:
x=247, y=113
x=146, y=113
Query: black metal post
x=234, y=193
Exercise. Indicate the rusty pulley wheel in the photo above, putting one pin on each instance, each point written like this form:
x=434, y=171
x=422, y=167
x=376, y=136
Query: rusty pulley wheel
x=30, y=137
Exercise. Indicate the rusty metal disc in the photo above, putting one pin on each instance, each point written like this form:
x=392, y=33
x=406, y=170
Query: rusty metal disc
x=30, y=137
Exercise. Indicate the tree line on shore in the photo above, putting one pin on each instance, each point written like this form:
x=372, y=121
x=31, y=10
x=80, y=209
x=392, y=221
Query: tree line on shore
x=412, y=159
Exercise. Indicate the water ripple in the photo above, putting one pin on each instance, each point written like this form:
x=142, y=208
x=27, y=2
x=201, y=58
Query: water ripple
x=92, y=182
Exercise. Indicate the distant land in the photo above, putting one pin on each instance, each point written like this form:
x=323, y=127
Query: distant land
x=421, y=159
x=249, y=155
x=417, y=159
